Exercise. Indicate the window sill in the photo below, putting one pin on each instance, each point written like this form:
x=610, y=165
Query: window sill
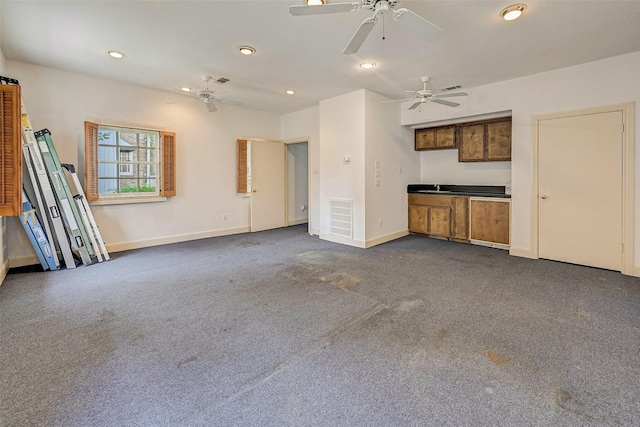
x=127, y=200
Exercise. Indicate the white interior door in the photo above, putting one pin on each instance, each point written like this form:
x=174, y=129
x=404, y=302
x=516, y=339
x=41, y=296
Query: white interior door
x=580, y=189
x=267, y=185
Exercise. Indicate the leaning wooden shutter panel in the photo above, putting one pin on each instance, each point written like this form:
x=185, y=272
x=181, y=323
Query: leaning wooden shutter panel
x=168, y=164
x=11, y=151
x=241, y=169
x=91, y=160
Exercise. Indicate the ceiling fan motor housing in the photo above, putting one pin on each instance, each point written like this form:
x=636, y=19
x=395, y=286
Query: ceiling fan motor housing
x=371, y=4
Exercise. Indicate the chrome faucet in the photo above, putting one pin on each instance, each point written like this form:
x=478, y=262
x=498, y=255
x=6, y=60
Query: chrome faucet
x=437, y=187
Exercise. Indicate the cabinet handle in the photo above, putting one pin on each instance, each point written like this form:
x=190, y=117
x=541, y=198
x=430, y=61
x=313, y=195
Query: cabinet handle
x=543, y=196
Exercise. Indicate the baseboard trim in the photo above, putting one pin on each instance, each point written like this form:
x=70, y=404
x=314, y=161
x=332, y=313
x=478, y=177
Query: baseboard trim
x=298, y=221
x=3, y=271
x=636, y=271
x=314, y=231
x=364, y=244
x=386, y=238
x=522, y=252
x=137, y=244
x=343, y=240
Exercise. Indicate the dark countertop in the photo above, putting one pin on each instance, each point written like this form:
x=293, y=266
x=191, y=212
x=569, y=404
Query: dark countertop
x=459, y=190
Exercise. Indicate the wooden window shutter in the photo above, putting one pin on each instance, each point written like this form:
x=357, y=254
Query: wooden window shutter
x=91, y=160
x=11, y=151
x=168, y=164
x=242, y=166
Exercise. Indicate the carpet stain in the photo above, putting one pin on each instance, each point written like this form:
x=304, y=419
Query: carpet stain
x=406, y=306
x=107, y=316
x=497, y=358
x=187, y=360
x=309, y=275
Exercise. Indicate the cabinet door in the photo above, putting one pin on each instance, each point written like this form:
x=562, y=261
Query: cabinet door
x=446, y=137
x=471, y=148
x=425, y=139
x=418, y=219
x=440, y=221
x=499, y=140
x=460, y=219
x=490, y=221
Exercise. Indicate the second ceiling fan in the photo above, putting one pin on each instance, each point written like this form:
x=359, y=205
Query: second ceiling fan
x=404, y=17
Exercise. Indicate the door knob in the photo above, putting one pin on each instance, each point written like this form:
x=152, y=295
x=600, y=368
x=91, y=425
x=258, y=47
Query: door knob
x=543, y=196
x=255, y=191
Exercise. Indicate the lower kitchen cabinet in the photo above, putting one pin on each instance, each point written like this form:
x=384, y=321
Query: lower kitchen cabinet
x=439, y=216
x=489, y=222
x=460, y=229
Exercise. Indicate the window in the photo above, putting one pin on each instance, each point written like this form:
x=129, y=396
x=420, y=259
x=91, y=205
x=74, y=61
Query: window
x=126, y=163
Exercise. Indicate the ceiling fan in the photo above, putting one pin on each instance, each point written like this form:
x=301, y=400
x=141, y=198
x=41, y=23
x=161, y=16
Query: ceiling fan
x=428, y=95
x=404, y=17
x=208, y=96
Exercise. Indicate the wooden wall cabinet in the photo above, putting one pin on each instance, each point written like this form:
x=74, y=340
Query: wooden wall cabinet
x=438, y=138
x=485, y=141
x=439, y=216
x=490, y=222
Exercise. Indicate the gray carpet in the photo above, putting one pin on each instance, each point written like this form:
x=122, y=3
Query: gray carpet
x=281, y=328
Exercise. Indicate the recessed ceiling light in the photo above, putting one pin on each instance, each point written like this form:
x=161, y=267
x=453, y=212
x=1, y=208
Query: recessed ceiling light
x=116, y=54
x=368, y=65
x=314, y=2
x=185, y=88
x=512, y=12
x=246, y=50
x=290, y=92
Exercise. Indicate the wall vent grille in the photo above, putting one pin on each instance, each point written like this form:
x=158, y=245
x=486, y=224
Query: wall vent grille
x=451, y=88
x=342, y=217
x=222, y=80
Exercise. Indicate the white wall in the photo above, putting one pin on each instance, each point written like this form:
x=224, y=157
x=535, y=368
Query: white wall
x=206, y=154
x=342, y=134
x=304, y=125
x=606, y=82
x=4, y=256
x=358, y=126
x=392, y=146
x=297, y=183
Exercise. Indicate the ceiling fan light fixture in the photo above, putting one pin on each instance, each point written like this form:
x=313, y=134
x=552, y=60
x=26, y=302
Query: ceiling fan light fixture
x=290, y=92
x=116, y=54
x=314, y=2
x=367, y=65
x=246, y=50
x=513, y=12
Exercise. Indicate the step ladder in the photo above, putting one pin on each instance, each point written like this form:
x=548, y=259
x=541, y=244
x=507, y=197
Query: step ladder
x=87, y=217
x=37, y=235
x=41, y=184
x=70, y=213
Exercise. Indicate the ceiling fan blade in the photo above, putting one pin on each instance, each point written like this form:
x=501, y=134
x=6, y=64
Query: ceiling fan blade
x=302, y=10
x=211, y=106
x=416, y=105
x=397, y=100
x=449, y=95
x=417, y=24
x=360, y=35
x=443, y=102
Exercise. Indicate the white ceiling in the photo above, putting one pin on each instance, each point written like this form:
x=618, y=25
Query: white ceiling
x=174, y=43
